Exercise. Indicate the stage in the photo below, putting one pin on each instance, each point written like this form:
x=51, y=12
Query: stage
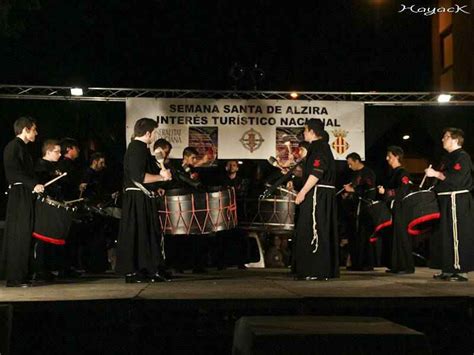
x=197, y=313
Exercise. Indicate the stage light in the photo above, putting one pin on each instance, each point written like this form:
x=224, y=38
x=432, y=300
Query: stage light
x=76, y=92
x=294, y=95
x=406, y=137
x=240, y=162
x=444, y=98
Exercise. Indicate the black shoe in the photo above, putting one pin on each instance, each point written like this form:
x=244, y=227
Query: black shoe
x=457, y=278
x=69, y=274
x=159, y=277
x=135, y=278
x=242, y=267
x=44, y=276
x=442, y=276
x=199, y=270
x=403, y=272
x=18, y=283
x=311, y=278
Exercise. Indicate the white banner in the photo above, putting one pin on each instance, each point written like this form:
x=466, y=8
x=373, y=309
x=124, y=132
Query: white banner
x=248, y=129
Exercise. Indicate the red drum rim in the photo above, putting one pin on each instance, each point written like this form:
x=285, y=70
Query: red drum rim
x=48, y=239
x=419, y=220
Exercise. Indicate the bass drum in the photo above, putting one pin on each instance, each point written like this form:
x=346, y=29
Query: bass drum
x=183, y=212
x=422, y=211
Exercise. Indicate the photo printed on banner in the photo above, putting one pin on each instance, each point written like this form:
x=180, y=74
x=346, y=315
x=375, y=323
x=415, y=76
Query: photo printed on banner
x=287, y=140
x=205, y=140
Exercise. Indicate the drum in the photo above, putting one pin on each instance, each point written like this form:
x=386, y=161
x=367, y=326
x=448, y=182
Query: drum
x=422, y=210
x=182, y=212
x=275, y=214
x=380, y=216
x=52, y=220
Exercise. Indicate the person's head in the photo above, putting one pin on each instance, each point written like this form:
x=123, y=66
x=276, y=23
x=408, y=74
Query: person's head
x=190, y=155
x=163, y=145
x=145, y=129
x=26, y=128
x=70, y=148
x=313, y=130
x=394, y=156
x=51, y=150
x=98, y=161
x=232, y=167
x=354, y=161
x=453, y=138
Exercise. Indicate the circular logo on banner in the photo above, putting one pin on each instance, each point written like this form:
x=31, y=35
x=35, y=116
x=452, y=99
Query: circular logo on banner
x=252, y=140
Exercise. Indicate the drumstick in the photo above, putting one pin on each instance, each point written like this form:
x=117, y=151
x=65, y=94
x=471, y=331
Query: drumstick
x=339, y=192
x=424, y=178
x=73, y=201
x=55, y=179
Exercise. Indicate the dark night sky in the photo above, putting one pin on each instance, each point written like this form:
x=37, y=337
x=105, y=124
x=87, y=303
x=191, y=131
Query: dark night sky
x=341, y=45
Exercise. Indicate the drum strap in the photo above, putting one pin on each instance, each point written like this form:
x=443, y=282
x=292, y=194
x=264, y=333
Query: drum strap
x=455, y=223
x=315, y=240
x=132, y=189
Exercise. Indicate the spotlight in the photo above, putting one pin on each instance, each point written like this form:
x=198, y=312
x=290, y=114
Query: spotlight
x=406, y=137
x=444, y=98
x=76, y=92
x=240, y=162
x=294, y=95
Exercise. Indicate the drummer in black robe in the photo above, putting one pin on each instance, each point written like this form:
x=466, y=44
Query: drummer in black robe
x=398, y=249
x=317, y=244
x=46, y=169
x=360, y=189
x=71, y=184
x=452, y=243
x=19, y=220
x=140, y=247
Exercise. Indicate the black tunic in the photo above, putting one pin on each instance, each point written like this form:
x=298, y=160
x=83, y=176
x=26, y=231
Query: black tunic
x=19, y=171
x=446, y=254
x=317, y=244
x=360, y=248
x=140, y=246
x=70, y=183
x=399, y=248
x=45, y=171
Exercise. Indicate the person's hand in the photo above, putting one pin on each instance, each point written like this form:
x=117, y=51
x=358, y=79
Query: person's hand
x=430, y=172
x=290, y=186
x=38, y=188
x=83, y=187
x=161, y=192
x=165, y=174
x=381, y=190
x=348, y=188
x=300, y=197
x=115, y=195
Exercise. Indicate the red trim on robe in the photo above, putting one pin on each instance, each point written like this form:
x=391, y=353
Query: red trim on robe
x=383, y=225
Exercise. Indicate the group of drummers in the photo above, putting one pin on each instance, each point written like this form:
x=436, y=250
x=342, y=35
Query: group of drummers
x=43, y=199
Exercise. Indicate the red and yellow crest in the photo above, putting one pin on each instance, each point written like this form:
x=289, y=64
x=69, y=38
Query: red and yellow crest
x=340, y=144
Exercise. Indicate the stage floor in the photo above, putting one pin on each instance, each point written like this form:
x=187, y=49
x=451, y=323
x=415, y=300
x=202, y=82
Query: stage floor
x=245, y=284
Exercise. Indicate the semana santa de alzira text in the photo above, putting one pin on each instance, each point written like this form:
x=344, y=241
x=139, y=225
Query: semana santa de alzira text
x=241, y=118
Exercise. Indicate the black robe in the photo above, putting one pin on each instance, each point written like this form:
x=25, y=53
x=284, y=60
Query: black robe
x=45, y=171
x=70, y=183
x=360, y=248
x=317, y=249
x=445, y=253
x=140, y=243
x=399, y=247
x=19, y=171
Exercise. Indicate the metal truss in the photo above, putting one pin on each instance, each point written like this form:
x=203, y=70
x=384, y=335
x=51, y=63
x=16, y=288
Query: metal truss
x=121, y=94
